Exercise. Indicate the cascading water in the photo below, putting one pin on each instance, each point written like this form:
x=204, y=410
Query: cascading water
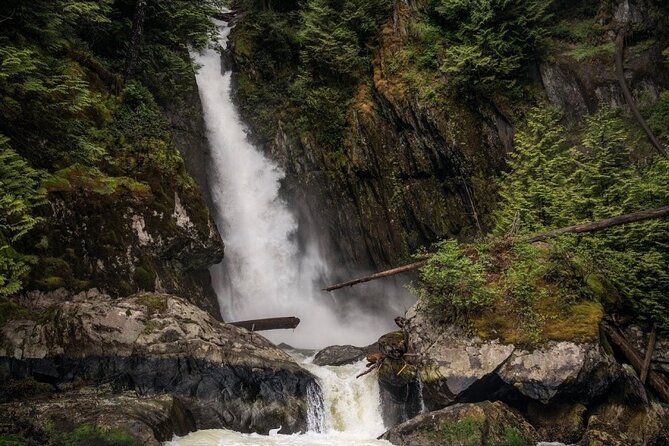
x=346, y=412
x=264, y=274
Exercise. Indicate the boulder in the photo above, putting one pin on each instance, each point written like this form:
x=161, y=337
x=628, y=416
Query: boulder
x=393, y=345
x=627, y=417
x=581, y=371
x=451, y=362
x=557, y=422
x=339, y=355
x=155, y=344
x=147, y=421
x=473, y=424
x=456, y=366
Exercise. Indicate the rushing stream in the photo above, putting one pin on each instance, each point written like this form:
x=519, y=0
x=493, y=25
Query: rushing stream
x=350, y=414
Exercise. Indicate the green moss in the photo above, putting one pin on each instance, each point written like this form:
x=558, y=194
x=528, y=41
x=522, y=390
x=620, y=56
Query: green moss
x=150, y=327
x=511, y=437
x=465, y=432
x=92, y=180
x=153, y=302
x=13, y=440
x=586, y=51
x=89, y=435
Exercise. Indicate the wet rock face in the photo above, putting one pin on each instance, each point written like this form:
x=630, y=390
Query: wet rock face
x=477, y=424
x=159, y=344
x=160, y=240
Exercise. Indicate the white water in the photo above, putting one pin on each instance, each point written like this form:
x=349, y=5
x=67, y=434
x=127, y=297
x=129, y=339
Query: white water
x=264, y=274
x=351, y=416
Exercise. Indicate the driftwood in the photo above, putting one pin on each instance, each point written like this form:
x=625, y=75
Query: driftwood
x=370, y=369
x=620, y=74
x=273, y=323
x=656, y=381
x=649, y=355
x=576, y=229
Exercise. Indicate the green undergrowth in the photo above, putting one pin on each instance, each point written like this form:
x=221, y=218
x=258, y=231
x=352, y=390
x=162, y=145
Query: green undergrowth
x=558, y=290
x=11, y=310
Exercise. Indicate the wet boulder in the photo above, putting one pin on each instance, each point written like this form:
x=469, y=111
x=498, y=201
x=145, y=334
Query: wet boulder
x=475, y=424
x=340, y=355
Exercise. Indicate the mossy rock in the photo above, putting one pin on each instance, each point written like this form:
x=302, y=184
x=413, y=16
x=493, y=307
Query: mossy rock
x=396, y=372
x=476, y=424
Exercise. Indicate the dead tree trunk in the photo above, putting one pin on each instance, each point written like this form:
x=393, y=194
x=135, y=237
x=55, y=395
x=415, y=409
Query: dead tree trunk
x=135, y=40
x=650, y=348
x=603, y=224
x=620, y=74
x=576, y=229
x=656, y=381
x=274, y=323
x=382, y=274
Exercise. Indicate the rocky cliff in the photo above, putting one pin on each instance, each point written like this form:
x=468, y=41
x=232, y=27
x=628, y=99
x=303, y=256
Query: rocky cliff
x=414, y=163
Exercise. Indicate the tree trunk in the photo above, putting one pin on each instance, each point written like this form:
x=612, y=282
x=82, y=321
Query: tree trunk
x=620, y=74
x=576, y=229
x=649, y=355
x=657, y=382
x=135, y=40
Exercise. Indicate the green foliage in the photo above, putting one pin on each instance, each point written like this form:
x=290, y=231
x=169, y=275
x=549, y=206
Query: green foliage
x=453, y=281
x=20, y=194
x=659, y=117
x=12, y=440
x=67, y=125
x=304, y=59
x=559, y=177
x=490, y=42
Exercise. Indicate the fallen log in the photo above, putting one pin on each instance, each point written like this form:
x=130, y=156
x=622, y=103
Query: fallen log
x=602, y=224
x=576, y=229
x=382, y=274
x=272, y=323
x=650, y=348
x=656, y=381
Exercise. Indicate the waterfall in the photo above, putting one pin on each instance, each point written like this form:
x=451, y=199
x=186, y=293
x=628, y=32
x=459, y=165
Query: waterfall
x=264, y=274
x=345, y=411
